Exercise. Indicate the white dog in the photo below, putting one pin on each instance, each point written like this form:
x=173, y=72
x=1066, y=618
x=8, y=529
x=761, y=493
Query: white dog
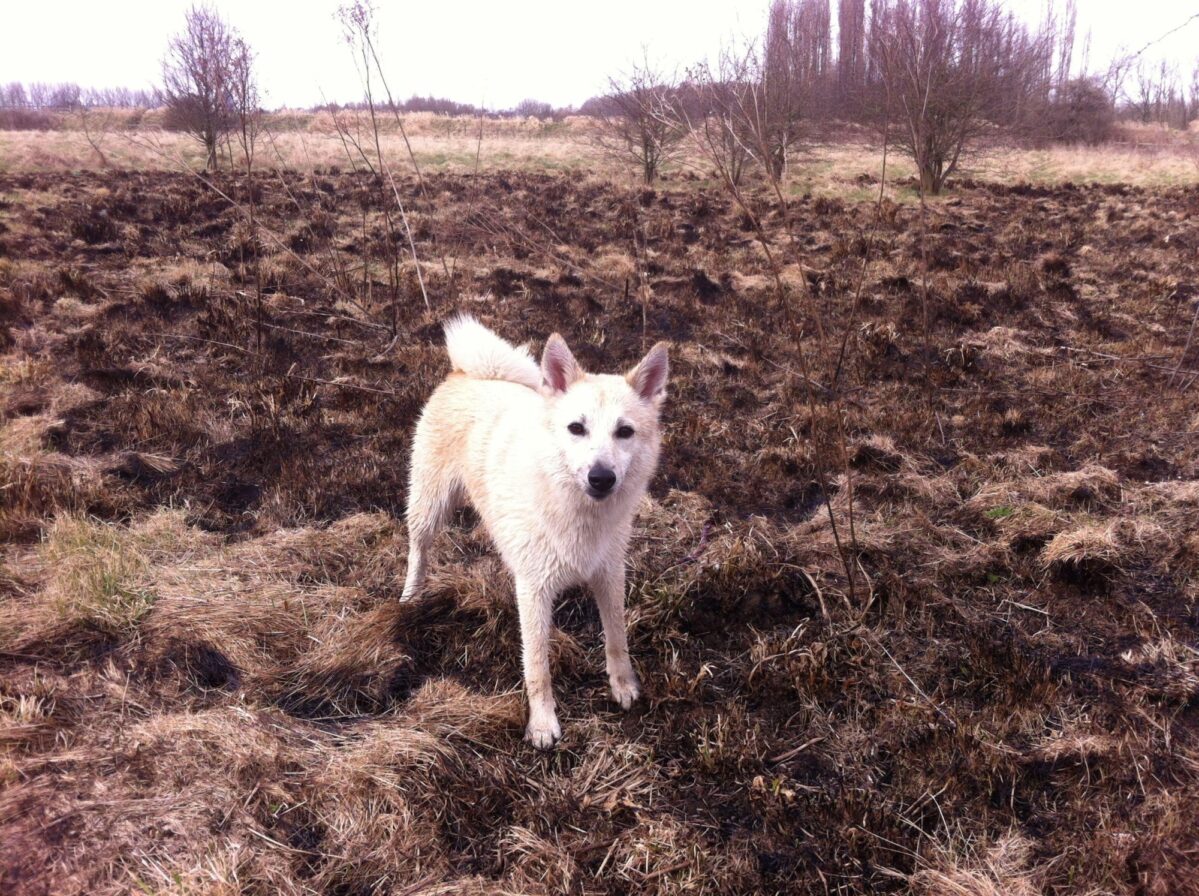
x=555, y=460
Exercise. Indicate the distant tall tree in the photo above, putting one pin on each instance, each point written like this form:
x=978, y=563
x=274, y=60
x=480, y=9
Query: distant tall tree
x=199, y=75
x=851, y=57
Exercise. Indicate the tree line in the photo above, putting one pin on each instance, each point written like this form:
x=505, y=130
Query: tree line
x=931, y=77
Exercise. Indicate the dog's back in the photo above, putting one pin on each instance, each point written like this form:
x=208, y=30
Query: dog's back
x=469, y=439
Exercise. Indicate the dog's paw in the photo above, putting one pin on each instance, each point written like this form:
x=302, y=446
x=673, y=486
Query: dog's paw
x=543, y=732
x=625, y=688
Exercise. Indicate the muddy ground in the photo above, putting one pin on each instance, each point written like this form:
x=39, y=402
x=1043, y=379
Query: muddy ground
x=915, y=608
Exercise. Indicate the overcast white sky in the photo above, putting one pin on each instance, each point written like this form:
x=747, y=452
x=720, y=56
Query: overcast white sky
x=495, y=53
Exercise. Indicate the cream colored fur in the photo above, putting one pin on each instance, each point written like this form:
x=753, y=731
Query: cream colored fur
x=498, y=433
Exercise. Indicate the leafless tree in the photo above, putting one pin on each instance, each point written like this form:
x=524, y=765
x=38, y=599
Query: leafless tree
x=717, y=117
x=1143, y=88
x=949, y=70
x=533, y=109
x=793, y=68
x=198, y=76
x=638, y=121
x=1169, y=102
x=13, y=96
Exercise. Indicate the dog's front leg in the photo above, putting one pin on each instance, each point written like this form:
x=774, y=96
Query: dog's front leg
x=608, y=588
x=535, y=603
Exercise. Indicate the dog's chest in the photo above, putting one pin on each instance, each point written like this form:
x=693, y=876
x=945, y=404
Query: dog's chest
x=571, y=551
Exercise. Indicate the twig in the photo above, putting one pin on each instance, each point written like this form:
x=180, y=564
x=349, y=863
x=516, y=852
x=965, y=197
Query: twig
x=1186, y=348
x=857, y=295
x=919, y=690
x=669, y=869
x=236, y=348
x=355, y=386
x=794, y=751
x=1173, y=371
x=309, y=334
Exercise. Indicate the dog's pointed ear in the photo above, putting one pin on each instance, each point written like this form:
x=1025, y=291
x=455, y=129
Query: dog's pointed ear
x=648, y=378
x=559, y=369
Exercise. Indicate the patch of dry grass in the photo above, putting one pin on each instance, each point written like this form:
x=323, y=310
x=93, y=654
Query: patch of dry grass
x=1001, y=868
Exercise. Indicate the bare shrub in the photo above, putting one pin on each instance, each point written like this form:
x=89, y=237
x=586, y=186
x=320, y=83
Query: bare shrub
x=748, y=111
x=638, y=121
x=1081, y=112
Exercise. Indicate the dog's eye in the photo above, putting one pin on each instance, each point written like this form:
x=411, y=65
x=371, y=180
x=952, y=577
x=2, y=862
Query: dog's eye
x=577, y=429
x=624, y=432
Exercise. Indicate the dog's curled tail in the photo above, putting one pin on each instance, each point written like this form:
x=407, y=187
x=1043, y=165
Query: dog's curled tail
x=482, y=355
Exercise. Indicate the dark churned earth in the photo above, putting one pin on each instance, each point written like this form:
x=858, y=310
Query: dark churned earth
x=915, y=597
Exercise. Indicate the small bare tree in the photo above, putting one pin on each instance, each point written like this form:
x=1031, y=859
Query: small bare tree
x=948, y=70
x=717, y=118
x=748, y=112
x=96, y=125
x=198, y=76
x=638, y=120
x=242, y=99
x=242, y=102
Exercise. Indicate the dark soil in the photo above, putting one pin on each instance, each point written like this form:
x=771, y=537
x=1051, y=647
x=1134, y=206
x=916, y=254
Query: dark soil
x=985, y=674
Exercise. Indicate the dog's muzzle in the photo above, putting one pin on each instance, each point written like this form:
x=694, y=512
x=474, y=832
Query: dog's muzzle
x=600, y=482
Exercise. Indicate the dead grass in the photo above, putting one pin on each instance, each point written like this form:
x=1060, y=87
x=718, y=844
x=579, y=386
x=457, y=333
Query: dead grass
x=304, y=141
x=995, y=869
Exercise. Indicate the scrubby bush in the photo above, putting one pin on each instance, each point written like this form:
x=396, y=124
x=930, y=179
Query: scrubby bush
x=1082, y=112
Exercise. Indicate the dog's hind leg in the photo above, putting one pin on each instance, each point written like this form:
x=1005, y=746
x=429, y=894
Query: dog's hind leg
x=433, y=495
x=608, y=588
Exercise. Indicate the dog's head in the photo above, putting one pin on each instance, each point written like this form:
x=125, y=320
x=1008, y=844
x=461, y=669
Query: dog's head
x=604, y=427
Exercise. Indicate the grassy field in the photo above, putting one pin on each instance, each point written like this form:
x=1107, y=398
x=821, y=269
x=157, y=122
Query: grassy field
x=1144, y=156
x=922, y=618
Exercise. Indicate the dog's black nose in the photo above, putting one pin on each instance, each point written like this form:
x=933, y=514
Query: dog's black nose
x=601, y=479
